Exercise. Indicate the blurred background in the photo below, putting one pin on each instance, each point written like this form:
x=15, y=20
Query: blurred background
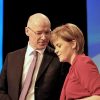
x=14, y=15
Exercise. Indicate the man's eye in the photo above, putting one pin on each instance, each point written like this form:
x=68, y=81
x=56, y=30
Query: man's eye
x=48, y=32
x=39, y=33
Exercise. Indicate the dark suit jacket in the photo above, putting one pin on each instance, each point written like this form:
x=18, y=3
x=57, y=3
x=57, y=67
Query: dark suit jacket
x=49, y=80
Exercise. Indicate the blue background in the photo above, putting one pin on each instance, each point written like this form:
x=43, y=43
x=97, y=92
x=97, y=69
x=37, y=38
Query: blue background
x=1, y=31
x=93, y=30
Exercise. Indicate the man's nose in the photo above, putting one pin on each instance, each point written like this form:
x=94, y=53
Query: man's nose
x=43, y=36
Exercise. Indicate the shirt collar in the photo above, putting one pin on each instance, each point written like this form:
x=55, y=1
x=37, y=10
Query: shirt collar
x=30, y=50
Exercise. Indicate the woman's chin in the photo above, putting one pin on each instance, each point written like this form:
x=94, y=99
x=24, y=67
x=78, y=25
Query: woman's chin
x=61, y=60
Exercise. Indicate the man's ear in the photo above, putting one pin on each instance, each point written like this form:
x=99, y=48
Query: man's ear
x=73, y=44
x=26, y=31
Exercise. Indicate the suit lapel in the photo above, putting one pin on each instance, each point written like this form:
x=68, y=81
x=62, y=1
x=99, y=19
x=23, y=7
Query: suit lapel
x=46, y=60
x=18, y=71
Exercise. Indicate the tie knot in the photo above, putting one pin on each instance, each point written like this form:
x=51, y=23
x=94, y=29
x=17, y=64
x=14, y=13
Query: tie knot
x=36, y=52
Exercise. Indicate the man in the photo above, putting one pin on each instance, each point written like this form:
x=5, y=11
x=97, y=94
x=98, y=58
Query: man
x=48, y=75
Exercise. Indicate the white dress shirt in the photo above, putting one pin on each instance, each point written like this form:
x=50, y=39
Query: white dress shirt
x=27, y=62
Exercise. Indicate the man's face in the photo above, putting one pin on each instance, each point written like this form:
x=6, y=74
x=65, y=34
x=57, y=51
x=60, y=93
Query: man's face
x=39, y=36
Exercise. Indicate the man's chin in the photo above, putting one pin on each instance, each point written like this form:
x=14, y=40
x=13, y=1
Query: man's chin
x=42, y=47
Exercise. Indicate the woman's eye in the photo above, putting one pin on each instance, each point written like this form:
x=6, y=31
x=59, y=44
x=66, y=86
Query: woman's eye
x=59, y=45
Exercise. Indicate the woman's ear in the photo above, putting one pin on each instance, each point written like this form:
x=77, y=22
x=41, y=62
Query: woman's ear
x=73, y=43
x=26, y=31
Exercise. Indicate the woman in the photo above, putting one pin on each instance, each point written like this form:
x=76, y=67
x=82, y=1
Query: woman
x=83, y=79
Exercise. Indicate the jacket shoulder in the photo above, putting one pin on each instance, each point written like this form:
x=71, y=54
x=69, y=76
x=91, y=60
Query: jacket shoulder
x=18, y=51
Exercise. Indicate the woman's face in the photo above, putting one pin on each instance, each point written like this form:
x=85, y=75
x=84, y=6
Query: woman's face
x=64, y=50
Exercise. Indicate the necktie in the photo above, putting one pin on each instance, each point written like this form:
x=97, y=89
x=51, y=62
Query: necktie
x=28, y=79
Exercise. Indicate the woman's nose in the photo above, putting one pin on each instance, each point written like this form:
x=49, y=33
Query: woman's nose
x=56, y=51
